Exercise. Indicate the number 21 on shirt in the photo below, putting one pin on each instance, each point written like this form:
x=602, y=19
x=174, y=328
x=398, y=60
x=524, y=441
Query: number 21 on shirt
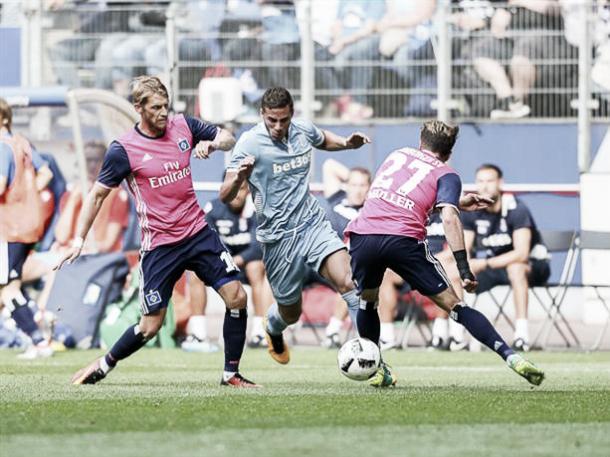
x=415, y=172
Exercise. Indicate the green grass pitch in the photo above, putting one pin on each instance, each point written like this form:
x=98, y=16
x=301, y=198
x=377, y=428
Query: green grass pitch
x=169, y=403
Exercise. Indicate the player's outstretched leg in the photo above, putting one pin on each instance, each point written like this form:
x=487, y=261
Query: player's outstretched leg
x=274, y=325
x=131, y=341
x=481, y=329
x=369, y=327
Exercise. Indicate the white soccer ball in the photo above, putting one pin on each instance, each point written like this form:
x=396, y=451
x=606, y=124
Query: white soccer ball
x=359, y=359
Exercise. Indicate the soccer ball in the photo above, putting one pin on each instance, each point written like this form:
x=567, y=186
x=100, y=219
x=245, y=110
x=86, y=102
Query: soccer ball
x=358, y=359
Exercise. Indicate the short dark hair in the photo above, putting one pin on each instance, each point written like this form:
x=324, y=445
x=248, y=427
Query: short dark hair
x=277, y=97
x=439, y=137
x=6, y=114
x=491, y=166
x=362, y=171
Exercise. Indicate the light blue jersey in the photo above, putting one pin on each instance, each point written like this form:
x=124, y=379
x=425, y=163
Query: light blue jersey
x=280, y=179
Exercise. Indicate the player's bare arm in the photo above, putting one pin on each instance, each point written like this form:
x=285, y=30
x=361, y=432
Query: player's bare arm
x=474, y=202
x=519, y=254
x=454, y=233
x=224, y=141
x=235, y=178
x=91, y=206
x=334, y=142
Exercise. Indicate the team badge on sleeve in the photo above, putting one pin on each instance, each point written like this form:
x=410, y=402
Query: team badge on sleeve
x=153, y=297
x=183, y=145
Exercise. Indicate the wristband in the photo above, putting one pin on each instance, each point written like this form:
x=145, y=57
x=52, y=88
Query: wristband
x=78, y=242
x=463, y=267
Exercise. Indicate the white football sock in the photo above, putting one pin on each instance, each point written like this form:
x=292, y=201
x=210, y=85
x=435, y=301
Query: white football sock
x=257, y=326
x=521, y=330
x=439, y=328
x=456, y=331
x=387, y=334
x=334, y=326
x=226, y=375
x=197, y=326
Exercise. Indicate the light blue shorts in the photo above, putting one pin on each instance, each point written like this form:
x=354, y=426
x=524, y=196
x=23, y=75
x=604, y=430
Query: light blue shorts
x=287, y=261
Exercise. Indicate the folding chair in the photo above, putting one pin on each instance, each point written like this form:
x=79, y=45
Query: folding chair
x=415, y=306
x=598, y=241
x=499, y=302
x=563, y=241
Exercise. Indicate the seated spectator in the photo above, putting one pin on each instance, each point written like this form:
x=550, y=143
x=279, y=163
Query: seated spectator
x=519, y=35
x=235, y=223
x=514, y=251
x=355, y=41
x=23, y=175
x=198, y=26
x=121, y=56
x=404, y=32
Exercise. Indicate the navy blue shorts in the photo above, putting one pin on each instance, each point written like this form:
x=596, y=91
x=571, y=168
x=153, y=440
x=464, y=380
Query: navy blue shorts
x=12, y=258
x=160, y=269
x=407, y=257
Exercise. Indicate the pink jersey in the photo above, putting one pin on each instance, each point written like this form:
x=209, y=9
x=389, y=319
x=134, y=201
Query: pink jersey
x=405, y=190
x=161, y=183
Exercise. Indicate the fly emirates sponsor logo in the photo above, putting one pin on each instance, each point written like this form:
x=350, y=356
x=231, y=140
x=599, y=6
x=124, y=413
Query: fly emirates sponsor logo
x=173, y=174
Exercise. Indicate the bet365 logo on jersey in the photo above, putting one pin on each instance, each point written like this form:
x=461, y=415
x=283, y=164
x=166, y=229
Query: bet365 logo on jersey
x=183, y=145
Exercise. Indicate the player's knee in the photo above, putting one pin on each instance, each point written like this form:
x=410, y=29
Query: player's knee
x=255, y=271
x=291, y=313
x=150, y=329
x=237, y=299
x=517, y=272
x=345, y=284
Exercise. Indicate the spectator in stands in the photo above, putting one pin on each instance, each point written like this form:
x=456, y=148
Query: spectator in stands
x=121, y=56
x=23, y=175
x=520, y=35
x=404, y=32
x=514, y=251
x=280, y=42
x=323, y=18
x=198, y=25
x=355, y=41
x=235, y=223
x=112, y=220
x=78, y=51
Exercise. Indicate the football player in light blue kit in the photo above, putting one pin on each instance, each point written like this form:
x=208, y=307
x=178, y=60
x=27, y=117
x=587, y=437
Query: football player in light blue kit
x=275, y=157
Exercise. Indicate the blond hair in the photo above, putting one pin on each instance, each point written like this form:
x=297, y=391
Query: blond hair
x=439, y=137
x=6, y=114
x=144, y=87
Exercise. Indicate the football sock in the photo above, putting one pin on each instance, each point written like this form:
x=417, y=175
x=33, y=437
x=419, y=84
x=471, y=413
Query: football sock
x=387, y=334
x=24, y=318
x=275, y=324
x=456, y=331
x=234, y=334
x=257, y=326
x=198, y=327
x=521, y=330
x=129, y=342
x=439, y=328
x=480, y=328
x=334, y=325
x=353, y=304
x=368, y=322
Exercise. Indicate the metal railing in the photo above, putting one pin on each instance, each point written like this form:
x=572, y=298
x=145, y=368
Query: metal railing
x=470, y=60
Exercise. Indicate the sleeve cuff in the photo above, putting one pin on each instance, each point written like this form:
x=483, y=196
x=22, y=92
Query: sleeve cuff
x=443, y=204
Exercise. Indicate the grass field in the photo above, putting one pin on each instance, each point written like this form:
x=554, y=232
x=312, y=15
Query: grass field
x=169, y=403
